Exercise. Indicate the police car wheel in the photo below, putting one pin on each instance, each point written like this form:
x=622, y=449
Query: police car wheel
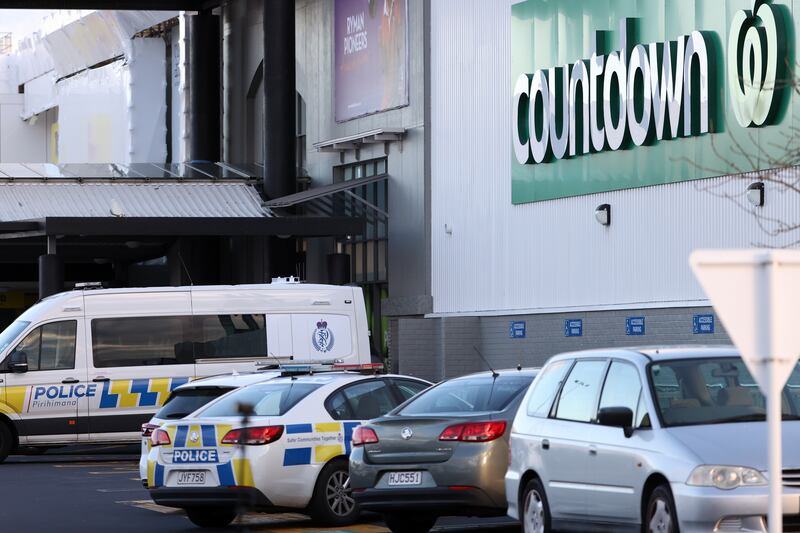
x=333, y=501
x=398, y=523
x=6, y=441
x=211, y=517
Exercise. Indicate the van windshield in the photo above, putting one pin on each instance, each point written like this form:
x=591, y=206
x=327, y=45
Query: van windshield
x=12, y=332
x=715, y=391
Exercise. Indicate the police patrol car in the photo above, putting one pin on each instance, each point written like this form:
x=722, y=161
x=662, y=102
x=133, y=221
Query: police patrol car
x=92, y=365
x=190, y=397
x=292, y=454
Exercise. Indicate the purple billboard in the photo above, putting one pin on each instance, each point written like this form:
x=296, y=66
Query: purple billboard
x=371, y=56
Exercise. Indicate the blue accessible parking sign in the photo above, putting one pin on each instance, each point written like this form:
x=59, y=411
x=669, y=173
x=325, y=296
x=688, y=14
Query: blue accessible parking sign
x=516, y=330
x=634, y=325
x=703, y=324
x=573, y=328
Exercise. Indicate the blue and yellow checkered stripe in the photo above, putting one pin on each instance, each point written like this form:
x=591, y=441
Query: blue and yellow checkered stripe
x=321, y=453
x=124, y=393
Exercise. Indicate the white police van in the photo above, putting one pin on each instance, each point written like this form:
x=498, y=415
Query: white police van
x=90, y=366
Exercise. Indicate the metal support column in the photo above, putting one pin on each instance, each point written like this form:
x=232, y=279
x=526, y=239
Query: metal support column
x=204, y=97
x=280, y=97
x=51, y=270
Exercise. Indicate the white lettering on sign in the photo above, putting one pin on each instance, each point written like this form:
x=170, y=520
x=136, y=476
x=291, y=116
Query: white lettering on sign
x=356, y=38
x=636, y=94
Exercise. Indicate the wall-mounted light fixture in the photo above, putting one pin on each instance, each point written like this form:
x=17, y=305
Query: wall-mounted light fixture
x=448, y=229
x=603, y=214
x=755, y=193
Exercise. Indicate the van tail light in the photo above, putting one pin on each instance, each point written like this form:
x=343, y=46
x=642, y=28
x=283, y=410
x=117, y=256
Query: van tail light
x=159, y=437
x=147, y=429
x=474, y=431
x=363, y=435
x=255, y=436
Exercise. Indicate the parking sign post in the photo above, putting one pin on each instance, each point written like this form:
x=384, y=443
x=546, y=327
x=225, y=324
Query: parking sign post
x=755, y=294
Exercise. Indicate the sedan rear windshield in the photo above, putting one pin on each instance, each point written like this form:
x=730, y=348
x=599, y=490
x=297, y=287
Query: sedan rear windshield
x=268, y=399
x=715, y=391
x=183, y=402
x=469, y=395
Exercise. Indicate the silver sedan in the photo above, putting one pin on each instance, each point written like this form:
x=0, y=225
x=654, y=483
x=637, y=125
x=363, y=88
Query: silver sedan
x=673, y=439
x=443, y=453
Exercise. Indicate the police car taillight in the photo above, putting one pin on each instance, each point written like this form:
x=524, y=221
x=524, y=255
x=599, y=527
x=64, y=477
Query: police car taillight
x=253, y=436
x=160, y=438
x=362, y=436
x=147, y=429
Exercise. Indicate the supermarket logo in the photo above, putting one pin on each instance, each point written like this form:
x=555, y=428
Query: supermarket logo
x=756, y=63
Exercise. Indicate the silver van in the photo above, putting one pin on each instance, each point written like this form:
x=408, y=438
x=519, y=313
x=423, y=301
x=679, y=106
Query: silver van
x=671, y=438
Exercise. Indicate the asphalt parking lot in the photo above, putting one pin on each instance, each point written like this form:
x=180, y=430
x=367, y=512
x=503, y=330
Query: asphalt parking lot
x=98, y=489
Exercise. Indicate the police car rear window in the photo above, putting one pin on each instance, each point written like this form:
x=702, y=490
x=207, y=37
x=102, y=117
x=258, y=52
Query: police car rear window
x=184, y=402
x=269, y=399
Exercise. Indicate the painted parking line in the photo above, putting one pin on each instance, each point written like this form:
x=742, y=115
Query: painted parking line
x=151, y=506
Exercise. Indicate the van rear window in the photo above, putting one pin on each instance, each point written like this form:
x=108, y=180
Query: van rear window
x=176, y=340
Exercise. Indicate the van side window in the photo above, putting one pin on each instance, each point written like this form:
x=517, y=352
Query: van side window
x=579, y=393
x=50, y=347
x=142, y=341
x=545, y=388
x=622, y=388
x=231, y=336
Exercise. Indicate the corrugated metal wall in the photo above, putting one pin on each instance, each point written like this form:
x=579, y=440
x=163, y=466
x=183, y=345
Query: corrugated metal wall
x=489, y=256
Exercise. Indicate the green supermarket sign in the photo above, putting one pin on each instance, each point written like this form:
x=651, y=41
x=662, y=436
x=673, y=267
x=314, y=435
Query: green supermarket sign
x=678, y=90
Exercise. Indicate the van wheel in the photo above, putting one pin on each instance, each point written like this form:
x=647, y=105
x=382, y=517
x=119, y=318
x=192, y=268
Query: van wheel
x=333, y=503
x=211, y=516
x=660, y=516
x=399, y=523
x=6, y=441
x=535, y=515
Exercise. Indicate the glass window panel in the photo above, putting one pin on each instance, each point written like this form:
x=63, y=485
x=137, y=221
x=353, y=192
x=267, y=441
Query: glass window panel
x=140, y=341
x=381, y=166
x=57, y=350
x=579, y=394
x=544, y=393
x=30, y=346
x=338, y=407
x=382, y=263
x=622, y=387
x=371, y=260
x=370, y=400
x=224, y=336
x=359, y=261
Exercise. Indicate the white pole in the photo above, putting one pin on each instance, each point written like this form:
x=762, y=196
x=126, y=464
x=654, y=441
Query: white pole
x=775, y=473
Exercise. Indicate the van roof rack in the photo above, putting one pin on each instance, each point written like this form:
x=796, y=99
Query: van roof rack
x=88, y=285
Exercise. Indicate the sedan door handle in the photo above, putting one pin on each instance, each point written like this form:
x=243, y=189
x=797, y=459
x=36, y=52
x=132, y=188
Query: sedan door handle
x=592, y=450
x=101, y=379
x=545, y=444
x=70, y=381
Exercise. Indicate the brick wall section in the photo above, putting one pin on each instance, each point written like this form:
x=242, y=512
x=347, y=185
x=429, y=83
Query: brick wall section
x=443, y=347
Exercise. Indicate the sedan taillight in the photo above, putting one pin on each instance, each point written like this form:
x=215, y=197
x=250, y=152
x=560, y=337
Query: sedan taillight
x=159, y=437
x=147, y=429
x=363, y=435
x=253, y=436
x=474, y=431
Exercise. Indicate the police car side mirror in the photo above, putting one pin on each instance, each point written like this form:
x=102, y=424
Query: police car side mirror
x=18, y=363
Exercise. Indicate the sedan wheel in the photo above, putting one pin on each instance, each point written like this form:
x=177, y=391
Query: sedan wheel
x=332, y=503
x=660, y=516
x=339, y=495
x=535, y=511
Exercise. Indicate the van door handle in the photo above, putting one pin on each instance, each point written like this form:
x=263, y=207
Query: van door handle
x=545, y=444
x=592, y=450
x=100, y=379
x=69, y=381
